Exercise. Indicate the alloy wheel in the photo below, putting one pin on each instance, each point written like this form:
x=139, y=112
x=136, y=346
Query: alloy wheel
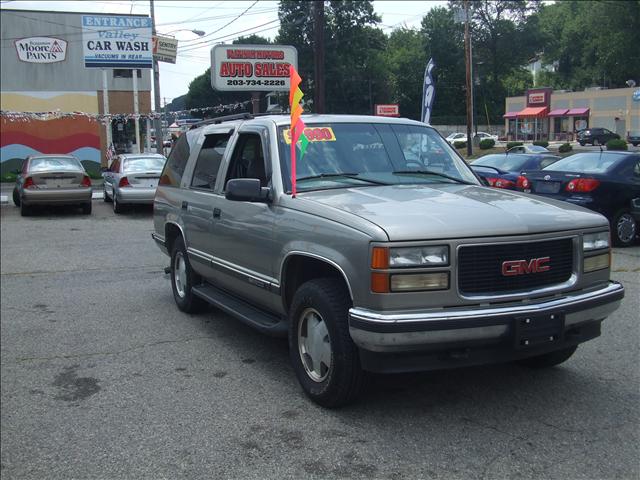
x=314, y=345
x=180, y=274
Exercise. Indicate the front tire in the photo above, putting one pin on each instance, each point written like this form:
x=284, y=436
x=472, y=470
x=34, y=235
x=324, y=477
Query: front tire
x=183, y=278
x=624, y=229
x=549, y=360
x=323, y=355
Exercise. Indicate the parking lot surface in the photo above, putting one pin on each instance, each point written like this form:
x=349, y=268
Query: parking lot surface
x=102, y=377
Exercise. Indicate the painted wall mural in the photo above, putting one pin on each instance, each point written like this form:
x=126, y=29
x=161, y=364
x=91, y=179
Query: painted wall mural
x=79, y=136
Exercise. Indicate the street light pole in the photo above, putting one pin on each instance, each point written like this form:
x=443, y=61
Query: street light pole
x=157, y=122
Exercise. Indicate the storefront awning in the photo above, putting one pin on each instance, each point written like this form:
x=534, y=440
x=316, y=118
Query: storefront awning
x=558, y=112
x=533, y=112
x=578, y=112
x=510, y=115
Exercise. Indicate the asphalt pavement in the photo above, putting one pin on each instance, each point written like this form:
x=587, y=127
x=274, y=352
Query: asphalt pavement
x=102, y=377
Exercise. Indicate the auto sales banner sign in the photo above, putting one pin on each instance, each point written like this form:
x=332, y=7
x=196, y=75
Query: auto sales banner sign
x=117, y=41
x=252, y=68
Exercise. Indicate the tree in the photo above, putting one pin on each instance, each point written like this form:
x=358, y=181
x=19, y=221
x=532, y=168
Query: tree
x=444, y=42
x=593, y=43
x=355, y=73
x=406, y=60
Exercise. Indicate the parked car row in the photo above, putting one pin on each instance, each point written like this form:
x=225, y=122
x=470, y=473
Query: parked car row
x=607, y=182
x=54, y=180
x=462, y=137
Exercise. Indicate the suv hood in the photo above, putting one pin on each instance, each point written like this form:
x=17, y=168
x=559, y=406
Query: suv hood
x=439, y=211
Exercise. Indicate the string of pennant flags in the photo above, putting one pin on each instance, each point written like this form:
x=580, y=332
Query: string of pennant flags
x=13, y=116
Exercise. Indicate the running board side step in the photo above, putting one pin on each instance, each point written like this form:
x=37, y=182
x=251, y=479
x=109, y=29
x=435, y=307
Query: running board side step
x=245, y=312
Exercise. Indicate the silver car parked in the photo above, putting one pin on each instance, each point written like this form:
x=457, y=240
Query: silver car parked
x=132, y=179
x=52, y=180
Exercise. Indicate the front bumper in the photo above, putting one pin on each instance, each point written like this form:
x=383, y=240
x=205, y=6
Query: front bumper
x=388, y=341
x=58, y=196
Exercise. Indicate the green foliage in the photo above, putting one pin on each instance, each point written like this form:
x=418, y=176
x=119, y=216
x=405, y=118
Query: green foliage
x=565, y=147
x=458, y=145
x=356, y=75
x=487, y=143
x=541, y=143
x=617, y=144
x=593, y=42
x=8, y=177
x=405, y=59
x=510, y=145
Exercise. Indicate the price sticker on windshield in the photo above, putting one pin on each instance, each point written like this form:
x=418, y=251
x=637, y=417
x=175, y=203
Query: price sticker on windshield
x=314, y=134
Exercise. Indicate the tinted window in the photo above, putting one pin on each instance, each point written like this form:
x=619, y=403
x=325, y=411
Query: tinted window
x=209, y=159
x=143, y=164
x=177, y=161
x=248, y=159
x=53, y=163
x=510, y=163
x=587, y=163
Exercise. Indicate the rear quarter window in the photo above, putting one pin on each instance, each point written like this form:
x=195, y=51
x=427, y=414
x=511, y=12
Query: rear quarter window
x=177, y=161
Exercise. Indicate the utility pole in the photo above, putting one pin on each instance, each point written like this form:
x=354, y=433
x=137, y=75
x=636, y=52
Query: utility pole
x=467, y=58
x=157, y=122
x=318, y=43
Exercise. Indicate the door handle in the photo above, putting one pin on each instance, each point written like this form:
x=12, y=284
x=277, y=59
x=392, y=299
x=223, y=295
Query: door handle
x=216, y=213
x=185, y=205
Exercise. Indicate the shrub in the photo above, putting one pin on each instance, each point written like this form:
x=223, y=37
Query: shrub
x=541, y=143
x=617, y=144
x=565, y=147
x=8, y=177
x=459, y=145
x=510, y=145
x=487, y=143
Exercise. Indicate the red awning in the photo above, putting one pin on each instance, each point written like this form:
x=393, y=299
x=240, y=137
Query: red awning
x=578, y=112
x=533, y=112
x=510, y=115
x=558, y=112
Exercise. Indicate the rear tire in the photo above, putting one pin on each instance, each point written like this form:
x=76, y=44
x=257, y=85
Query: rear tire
x=16, y=197
x=117, y=208
x=86, y=208
x=324, y=357
x=25, y=210
x=105, y=197
x=183, y=278
x=548, y=360
x=624, y=229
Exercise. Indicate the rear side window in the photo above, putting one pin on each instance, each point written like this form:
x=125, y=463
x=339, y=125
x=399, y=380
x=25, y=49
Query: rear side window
x=209, y=160
x=177, y=161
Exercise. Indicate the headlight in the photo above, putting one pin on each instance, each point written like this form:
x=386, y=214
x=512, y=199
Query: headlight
x=419, y=282
x=419, y=256
x=595, y=241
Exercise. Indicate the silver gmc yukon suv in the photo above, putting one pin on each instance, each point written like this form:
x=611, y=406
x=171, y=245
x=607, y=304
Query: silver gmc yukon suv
x=392, y=257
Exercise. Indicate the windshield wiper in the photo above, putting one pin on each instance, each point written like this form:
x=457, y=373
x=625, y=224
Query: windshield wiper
x=355, y=176
x=430, y=172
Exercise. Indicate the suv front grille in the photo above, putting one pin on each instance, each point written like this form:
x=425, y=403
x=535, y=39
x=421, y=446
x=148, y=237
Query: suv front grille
x=480, y=267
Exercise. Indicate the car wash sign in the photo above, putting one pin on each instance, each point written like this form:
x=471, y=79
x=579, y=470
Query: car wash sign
x=252, y=68
x=41, y=49
x=117, y=41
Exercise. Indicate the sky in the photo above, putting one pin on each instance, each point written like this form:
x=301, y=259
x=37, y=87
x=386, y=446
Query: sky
x=222, y=22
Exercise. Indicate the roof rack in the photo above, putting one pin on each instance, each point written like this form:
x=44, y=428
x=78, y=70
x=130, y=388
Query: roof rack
x=225, y=118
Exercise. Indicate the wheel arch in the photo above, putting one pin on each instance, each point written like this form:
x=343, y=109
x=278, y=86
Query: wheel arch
x=300, y=267
x=171, y=232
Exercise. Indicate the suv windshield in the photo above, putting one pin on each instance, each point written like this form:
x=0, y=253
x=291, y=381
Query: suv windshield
x=359, y=154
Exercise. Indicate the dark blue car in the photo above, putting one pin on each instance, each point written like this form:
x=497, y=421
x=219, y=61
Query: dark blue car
x=607, y=182
x=503, y=170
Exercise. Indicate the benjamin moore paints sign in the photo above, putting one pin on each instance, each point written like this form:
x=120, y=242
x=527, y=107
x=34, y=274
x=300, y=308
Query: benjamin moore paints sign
x=252, y=67
x=41, y=49
x=117, y=41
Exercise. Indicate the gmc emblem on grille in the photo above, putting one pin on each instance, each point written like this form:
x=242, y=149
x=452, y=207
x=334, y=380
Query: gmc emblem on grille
x=511, y=268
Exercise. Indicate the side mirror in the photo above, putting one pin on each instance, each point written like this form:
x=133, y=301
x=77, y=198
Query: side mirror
x=246, y=190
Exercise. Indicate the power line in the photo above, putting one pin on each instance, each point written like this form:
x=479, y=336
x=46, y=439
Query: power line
x=190, y=48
